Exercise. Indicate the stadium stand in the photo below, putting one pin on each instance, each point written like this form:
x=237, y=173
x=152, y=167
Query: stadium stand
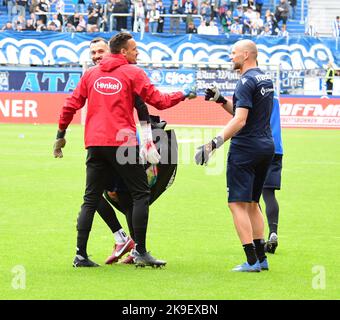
x=322, y=16
x=294, y=27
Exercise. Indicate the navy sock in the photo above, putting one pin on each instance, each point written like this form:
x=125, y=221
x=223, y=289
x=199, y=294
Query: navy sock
x=249, y=249
x=259, y=249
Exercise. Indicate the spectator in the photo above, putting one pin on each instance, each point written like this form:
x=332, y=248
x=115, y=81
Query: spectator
x=19, y=27
x=92, y=28
x=19, y=23
x=153, y=17
x=174, y=21
x=40, y=25
x=7, y=26
x=238, y=12
x=258, y=6
x=108, y=10
x=283, y=32
x=11, y=9
x=51, y=26
x=205, y=11
x=33, y=4
x=33, y=17
x=73, y=19
x=95, y=12
x=236, y=27
x=79, y=6
x=336, y=27
x=189, y=9
x=250, y=14
x=55, y=19
x=82, y=25
x=271, y=21
x=223, y=8
x=330, y=78
x=256, y=25
x=266, y=31
x=214, y=8
x=246, y=25
x=29, y=25
x=311, y=30
x=244, y=3
x=233, y=5
x=121, y=6
x=212, y=29
x=227, y=21
x=42, y=10
x=59, y=6
x=202, y=28
x=282, y=12
x=292, y=4
x=21, y=7
x=139, y=23
x=161, y=9
x=69, y=27
x=191, y=28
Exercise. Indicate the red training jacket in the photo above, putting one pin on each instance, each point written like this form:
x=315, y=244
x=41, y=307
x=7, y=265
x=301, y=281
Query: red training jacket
x=110, y=88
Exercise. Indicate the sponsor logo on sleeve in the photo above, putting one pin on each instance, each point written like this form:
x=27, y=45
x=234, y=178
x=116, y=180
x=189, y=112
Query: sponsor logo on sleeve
x=266, y=90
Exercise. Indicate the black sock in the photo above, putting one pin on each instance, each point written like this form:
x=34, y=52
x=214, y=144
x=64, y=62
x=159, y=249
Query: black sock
x=140, y=222
x=84, y=224
x=272, y=228
x=259, y=248
x=108, y=214
x=249, y=249
x=82, y=237
x=272, y=209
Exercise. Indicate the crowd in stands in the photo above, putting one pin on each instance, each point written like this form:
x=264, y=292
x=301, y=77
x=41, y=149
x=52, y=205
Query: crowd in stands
x=217, y=16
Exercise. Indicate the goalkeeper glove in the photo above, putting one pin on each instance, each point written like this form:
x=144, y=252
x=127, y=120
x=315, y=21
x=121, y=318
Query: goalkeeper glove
x=205, y=151
x=59, y=143
x=148, y=150
x=151, y=174
x=213, y=94
x=149, y=153
x=189, y=91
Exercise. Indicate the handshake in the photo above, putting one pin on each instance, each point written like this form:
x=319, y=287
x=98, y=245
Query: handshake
x=213, y=94
x=189, y=91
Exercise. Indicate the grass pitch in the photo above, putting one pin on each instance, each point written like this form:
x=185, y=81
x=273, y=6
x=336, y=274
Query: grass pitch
x=189, y=226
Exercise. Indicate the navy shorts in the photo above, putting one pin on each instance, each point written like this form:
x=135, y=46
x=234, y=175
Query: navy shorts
x=273, y=179
x=246, y=173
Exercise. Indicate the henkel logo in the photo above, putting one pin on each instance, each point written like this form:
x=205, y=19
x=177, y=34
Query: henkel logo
x=107, y=85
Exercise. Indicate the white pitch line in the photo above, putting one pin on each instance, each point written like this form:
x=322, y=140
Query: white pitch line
x=189, y=140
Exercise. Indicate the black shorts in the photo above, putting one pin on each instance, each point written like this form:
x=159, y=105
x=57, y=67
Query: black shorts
x=246, y=173
x=273, y=179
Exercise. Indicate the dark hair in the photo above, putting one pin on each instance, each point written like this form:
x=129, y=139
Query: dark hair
x=97, y=39
x=119, y=41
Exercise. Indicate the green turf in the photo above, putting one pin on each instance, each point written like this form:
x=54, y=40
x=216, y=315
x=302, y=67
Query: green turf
x=190, y=226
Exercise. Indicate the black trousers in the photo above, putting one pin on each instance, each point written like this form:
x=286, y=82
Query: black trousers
x=125, y=161
x=329, y=87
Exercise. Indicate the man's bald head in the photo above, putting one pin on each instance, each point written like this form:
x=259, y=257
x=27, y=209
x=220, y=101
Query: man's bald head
x=248, y=46
x=244, y=55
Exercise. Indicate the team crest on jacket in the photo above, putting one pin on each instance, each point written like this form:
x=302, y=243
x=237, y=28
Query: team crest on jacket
x=107, y=85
